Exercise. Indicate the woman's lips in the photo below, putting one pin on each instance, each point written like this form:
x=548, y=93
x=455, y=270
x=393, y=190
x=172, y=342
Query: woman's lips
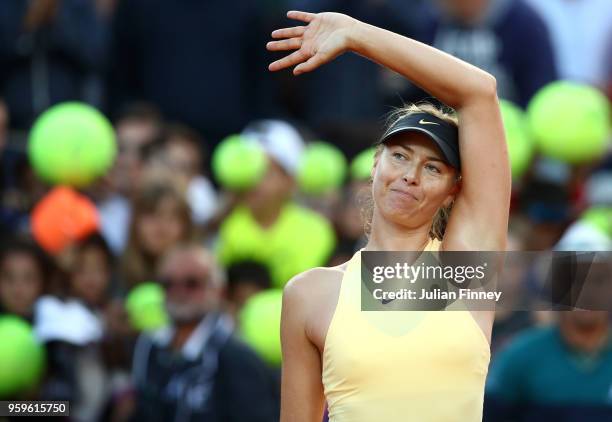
x=405, y=194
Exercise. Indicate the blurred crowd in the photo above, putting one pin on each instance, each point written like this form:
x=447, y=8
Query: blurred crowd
x=177, y=77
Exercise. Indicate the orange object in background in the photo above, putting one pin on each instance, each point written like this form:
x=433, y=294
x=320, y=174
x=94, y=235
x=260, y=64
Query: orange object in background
x=62, y=217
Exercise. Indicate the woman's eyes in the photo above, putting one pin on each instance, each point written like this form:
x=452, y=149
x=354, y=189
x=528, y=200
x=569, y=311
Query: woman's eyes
x=432, y=168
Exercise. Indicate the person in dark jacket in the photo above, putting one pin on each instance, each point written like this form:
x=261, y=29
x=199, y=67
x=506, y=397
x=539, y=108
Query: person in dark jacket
x=183, y=57
x=50, y=51
x=196, y=369
x=507, y=38
x=560, y=372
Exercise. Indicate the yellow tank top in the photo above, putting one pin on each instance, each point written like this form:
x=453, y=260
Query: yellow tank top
x=402, y=366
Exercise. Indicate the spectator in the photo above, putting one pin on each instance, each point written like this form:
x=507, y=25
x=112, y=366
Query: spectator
x=494, y=35
x=196, y=369
x=73, y=329
x=23, y=274
x=204, y=75
x=508, y=321
x=181, y=152
x=580, y=32
x=137, y=128
x=20, y=188
x=268, y=226
x=50, y=51
x=161, y=219
x=244, y=279
x=90, y=277
x=350, y=222
x=561, y=372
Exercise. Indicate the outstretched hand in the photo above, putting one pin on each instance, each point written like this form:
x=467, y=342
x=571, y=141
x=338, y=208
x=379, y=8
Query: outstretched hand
x=326, y=36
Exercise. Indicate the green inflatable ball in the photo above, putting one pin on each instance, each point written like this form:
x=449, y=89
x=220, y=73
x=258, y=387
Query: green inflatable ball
x=22, y=358
x=361, y=166
x=239, y=164
x=599, y=218
x=520, y=147
x=322, y=169
x=570, y=122
x=71, y=144
x=145, y=306
x=260, y=324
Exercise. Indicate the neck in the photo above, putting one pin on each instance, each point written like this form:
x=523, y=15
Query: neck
x=182, y=334
x=267, y=215
x=388, y=236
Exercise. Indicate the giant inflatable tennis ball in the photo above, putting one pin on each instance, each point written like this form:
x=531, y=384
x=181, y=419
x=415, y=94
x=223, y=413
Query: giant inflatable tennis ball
x=599, y=218
x=145, y=306
x=22, y=358
x=62, y=217
x=71, y=144
x=260, y=324
x=520, y=147
x=570, y=122
x=322, y=169
x=238, y=163
x=361, y=166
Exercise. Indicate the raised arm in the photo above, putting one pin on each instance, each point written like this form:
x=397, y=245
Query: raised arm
x=480, y=215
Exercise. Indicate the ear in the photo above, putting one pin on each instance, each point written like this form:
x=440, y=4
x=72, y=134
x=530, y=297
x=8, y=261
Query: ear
x=452, y=195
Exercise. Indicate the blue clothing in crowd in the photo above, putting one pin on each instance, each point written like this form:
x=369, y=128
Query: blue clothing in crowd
x=58, y=59
x=512, y=43
x=539, y=377
x=200, y=62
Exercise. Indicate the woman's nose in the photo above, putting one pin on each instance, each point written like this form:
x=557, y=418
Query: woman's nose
x=411, y=175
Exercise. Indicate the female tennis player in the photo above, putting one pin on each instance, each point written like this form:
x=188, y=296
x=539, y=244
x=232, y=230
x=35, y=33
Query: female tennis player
x=400, y=366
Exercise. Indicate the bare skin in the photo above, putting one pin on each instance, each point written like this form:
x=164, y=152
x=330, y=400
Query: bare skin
x=410, y=183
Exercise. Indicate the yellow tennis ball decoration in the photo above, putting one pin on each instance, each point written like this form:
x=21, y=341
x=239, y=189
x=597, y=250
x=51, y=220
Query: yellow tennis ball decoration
x=322, y=169
x=520, y=146
x=570, y=122
x=71, y=144
x=260, y=324
x=145, y=306
x=22, y=357
x=239, y=164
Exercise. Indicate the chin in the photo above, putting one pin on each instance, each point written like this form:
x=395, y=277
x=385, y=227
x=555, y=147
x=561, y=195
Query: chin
x=184, y=314
x=398, y=216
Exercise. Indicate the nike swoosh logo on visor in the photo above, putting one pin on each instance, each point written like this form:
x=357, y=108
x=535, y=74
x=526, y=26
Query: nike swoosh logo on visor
x=425, y=122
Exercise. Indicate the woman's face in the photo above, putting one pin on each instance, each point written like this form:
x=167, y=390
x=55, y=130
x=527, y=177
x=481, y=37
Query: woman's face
x=275, y=186
x=21, y=283
x=411, y=181
x=159, y=230
x=91, y=275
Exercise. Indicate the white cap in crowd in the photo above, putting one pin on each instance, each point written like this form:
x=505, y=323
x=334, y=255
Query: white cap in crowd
x=281, y=141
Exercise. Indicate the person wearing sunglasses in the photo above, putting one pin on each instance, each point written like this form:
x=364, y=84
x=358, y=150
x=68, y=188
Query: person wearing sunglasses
x=195, y=369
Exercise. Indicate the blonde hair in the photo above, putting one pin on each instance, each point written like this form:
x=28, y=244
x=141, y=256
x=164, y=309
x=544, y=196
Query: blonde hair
x=440, y=220
x=444, y=113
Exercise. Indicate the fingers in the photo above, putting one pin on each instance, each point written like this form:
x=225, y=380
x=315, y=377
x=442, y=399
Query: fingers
x=293, y=41
x=292, y=59
x=290, y=44
x=296, y=31
x=301, y=16
x=309, y=65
